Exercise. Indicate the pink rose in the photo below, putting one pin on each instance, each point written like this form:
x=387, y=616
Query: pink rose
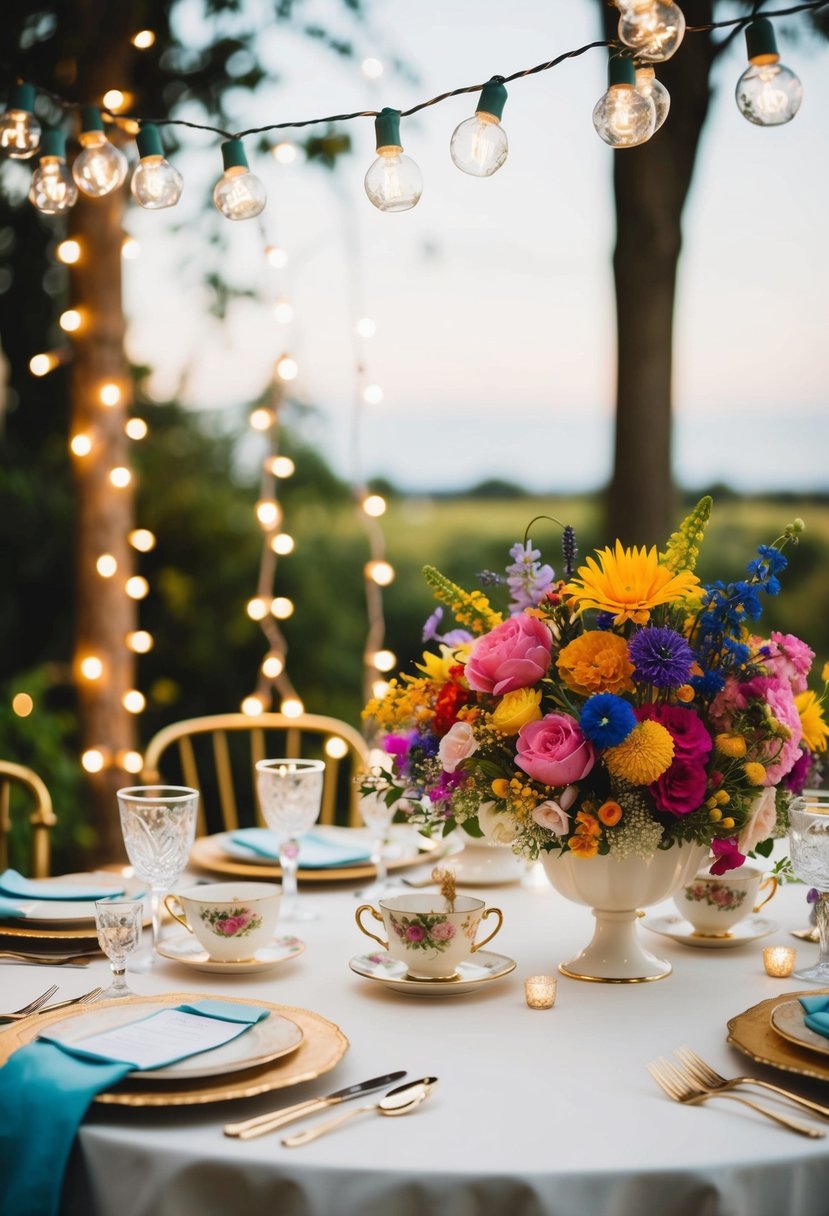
x=681, y=788
x=550, y=815
x=513, y=655
x=444, y=931
x=458, y=743
x=232, y=924
x=415, y=933
x=554, y=751
x=760, y=823
x=779, y=756
x=787, y=658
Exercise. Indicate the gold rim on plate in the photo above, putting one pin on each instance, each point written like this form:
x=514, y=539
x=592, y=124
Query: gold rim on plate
x=752, y=1033
x=323, y=1045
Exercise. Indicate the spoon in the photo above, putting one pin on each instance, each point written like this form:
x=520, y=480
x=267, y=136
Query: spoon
x=397, y=1101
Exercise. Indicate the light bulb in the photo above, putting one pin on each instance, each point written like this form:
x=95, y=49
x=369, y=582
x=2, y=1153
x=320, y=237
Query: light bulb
x=238, y=194
x=479, y=144
x=52, y=189
x=654, y=28
x=19, y=129
x=155, y=183
x=768, y=94
x=654, y=90
x=393, y=182
x=622, y=117
x=100, y=167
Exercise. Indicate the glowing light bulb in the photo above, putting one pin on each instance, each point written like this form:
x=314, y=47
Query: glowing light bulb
x=479, y=144
x=287, y=368
x=68, y=252
x=253, y=706
x=114, y=99
x=282, y=607
x=120, y=477
x=654, y=28
x=284, y=153
x=134, y=701
x=155, y=183
x=139, y=641
x=238, y=194
x=272, y=666
x=100, y=167
x=374, y=505
x=137, y=588
x=19, y=129
x=80, y=445
x=283, y=544
x=143, y=40
x=384, y=660
x=268, y=513
x=654, y=90
x=110, y=394
x=380, y=572
x=41, y=365
x=622, y=117
x=366, y=328
x=372, y=68
x=52, y=189
x=282, y=467
x=335, y=747
x=292, y=707
x=372, y=394
x=22, y=704
x=106, y=565
x=393, y=182
x=131, y=762
x=135, y=428
x=92, y=760
x=276, y=257
x=130, y=249
x=257, y=609
x=70, y=321
x=768, y=94
x=261, y=419
x=142, y=539
x=379, y=689
x=283, y=311
x=91, y=667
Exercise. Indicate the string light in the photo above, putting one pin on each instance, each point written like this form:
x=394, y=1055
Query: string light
x=135, y=428
x=42, y=364
x=253, y=706
x=366, y=328
x=257, y=609
x=380, y=572
x=335, y=747
x=114, y=100
x=654, y=90
x=110, y=394
x=292, y=707
x=373, y=394
x=273, y=665
x=133, y=701
x=155, y=183
x=53, y=190
x=276, y=257
x=374, y=505
x=282, y=467
x=238, y=194
x=283, y=544
x=70, y=321
x=92, y=667
x=106, y=565
x=100, y=167
x=130, y=249
x=372, y=68
x=68, y=252
x=137, y=587
x=284, y=153
x=131, y=762
x=19, y=129
x=143, y=40
x=393, y=181
x=384, y=660
x=139, y=641
x=261, y=419
x=93, y=760
x=80, y=444
x=768, y=94
x=622, y=117
x=282, y=607
x=120, y=477
x=479, y=144
x=268, y=513
x=654, y=29
x=22, y=704
x=142, y=539
x=287, y=368
x=283, y=311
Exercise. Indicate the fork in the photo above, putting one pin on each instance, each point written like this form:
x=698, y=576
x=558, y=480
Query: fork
x=32, y=1006
x=48, y=960
x=705, y=1074
x=86, y=999
x=677, y=1086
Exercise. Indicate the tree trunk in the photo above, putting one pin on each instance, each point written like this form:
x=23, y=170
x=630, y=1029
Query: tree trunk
x=651, y=184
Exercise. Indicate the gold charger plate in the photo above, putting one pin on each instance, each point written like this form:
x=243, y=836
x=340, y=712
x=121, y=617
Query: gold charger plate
x=752, y=1033
x=323, y=1045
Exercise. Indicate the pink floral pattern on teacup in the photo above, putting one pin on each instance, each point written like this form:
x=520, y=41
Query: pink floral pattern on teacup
x=429, y=930
x=232, y=922
x=717, y=895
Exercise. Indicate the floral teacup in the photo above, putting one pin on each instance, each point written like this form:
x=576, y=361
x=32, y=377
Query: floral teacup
x=428, y=935
x=715, y=904
x=232, y=920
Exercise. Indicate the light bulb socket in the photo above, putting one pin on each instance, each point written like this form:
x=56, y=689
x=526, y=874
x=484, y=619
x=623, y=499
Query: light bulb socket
x=233, y=155
x=493, y=98
x=387, y=129
x=91, y=119
x=22, y=97
x=620, y=70
x=148, y=140
x=53, y=142
x=761, y=42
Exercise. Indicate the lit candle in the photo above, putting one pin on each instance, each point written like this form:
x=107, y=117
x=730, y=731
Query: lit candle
x=540, y=991
x=779, y=960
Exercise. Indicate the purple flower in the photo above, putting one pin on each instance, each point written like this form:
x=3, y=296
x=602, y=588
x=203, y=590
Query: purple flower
x=453, y=637
x=660, y=657
x=528, y=581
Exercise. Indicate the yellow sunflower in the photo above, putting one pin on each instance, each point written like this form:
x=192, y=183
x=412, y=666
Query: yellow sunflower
x=815, y=730
x=628, y=583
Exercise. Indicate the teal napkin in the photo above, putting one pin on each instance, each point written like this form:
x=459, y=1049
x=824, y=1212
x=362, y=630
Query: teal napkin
x=316, y=852
x=17, y=893
x=45, y=1091
x=817, y=1013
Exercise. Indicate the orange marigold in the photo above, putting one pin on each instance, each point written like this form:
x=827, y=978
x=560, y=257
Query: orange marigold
x=587, y=825
x=596, y=661
x=582, y=845
x=609, y=813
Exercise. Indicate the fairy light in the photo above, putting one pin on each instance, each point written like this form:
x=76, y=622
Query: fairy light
x=335, y=747
x=133, y=701
x=268, y=513
x=372, y=394
x=284, y=153
x=253, y=706
x=139, y=641
x=22, y=704
x=70, y=321
x=120, y=477
x=110, y=394
x=282, y=607
x=366, y=328
x=374, y=505
x=379, y=688
x=283, y=312
x=106, y=565
x=135, y=428
x=137, y=587
x=292, y=707
x=384, y=660
x=80, y=444
x=372, y=68
x=143, y=40
x=257, y=608
x=114, y=99
x=131, y=762
x=92, y=668
x=142, y=539
x=273, y=665
x=283, y=544
x=287, y=368
x=69, y=252
x=380, y=572
x=282, y=467
x=42, y=364
x=261, y=419
x=276, y=257
x=130, y=249
x=92, y=760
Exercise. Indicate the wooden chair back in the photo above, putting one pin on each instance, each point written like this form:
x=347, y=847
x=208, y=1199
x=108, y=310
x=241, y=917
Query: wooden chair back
x=41, y=816
x=217, y=756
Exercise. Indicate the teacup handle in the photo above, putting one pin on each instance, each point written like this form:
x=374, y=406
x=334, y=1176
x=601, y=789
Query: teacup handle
x=769, y=879
x=368, y=908
x=489, y=912
x=174, y=914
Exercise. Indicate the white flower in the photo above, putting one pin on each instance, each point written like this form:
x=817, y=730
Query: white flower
x=761, y=821
x=496, y=826
x=457, y=744
x=550, y=815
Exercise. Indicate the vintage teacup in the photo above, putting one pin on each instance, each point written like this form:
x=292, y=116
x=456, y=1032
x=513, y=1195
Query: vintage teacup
x=715, y=904
x=232, y=920
x=427, y=935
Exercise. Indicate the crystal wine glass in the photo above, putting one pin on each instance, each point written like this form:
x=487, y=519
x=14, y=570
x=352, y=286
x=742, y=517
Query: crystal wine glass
x=809, y=852
x=290, y=794
x=118, y=923
x=158, y=823
x=377, y=815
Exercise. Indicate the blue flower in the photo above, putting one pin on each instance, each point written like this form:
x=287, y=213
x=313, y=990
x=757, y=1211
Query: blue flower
x=660, y=657
x=606, y=719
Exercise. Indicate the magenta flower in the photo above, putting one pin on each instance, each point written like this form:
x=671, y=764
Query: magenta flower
x=787, y=658
x=232, y=924
x=515, y=654
x=554, y=751
x=783, y=754
x=728, y=856
x=681, y=788
x=415, y=933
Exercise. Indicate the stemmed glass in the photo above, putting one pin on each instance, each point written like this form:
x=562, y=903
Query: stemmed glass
x=809, y=852
x=377, y=815
x=290, y=794
x=118, y=924
x=158, y=823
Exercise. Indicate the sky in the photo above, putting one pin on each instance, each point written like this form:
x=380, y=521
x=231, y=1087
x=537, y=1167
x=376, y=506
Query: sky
x=493, y=300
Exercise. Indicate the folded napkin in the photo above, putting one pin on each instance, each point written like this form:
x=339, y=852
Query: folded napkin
x=817, y=1013
x=17, y=892
x=45, y=1091
x=316, y=852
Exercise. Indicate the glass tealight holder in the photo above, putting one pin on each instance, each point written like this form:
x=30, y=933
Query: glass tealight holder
x=779, y=961
x=540, y=991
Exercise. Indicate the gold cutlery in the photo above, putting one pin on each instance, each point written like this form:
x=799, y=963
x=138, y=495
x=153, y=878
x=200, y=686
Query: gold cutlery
x=396, y=1102
x=48, y=960
x=86, y=999
x=32, y=1006
x=678, y=1087
x=262, y=1124
x=705, y=1074
x=806, y=935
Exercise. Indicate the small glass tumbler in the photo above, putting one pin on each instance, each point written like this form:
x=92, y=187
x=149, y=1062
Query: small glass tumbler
x=779, y=961
x=118, y=924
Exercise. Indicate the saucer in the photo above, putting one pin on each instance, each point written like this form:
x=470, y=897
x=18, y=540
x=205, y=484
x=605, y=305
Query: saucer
x=681, y=930
x=472, y=974
x=184, y=949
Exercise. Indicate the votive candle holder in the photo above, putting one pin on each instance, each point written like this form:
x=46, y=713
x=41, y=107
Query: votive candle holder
x=540, y=991
x=779, y=961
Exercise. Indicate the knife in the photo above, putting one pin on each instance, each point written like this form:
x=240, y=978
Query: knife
x=262, y=1124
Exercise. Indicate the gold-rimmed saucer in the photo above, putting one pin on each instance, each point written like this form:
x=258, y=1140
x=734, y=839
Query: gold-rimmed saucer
x=485, y=967
x=184, y=949
x=681, y=930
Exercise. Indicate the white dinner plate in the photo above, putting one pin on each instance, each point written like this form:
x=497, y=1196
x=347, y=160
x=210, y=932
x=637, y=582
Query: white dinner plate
x=404, y=842
x=81, y=911
x=787, y=1020
x=485, y=968
x=267, y=1040
x=183, y=948
x=748, y=930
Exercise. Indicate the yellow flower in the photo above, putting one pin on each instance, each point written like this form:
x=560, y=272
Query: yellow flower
x=516, y=709
x=597, y=661
x=815, y=730
x=824, y=674
x=587, y=824
x=731, y=745
x=500, y=787
x=645, y=755
x=755, y=772
x=436, y=666
x=628, y=583
x=583, y=845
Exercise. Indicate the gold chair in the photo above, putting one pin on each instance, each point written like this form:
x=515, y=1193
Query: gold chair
x=41, y=817
x=217, y=756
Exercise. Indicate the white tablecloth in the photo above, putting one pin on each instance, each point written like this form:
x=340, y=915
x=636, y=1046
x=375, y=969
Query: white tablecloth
x=537, y=1112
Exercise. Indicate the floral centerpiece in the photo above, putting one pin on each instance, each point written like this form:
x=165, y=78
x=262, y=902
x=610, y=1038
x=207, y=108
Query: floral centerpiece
x=619, y=710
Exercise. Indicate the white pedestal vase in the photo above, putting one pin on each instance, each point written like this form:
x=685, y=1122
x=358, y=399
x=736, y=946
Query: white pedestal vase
x=485, y=863
x=615, y=889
